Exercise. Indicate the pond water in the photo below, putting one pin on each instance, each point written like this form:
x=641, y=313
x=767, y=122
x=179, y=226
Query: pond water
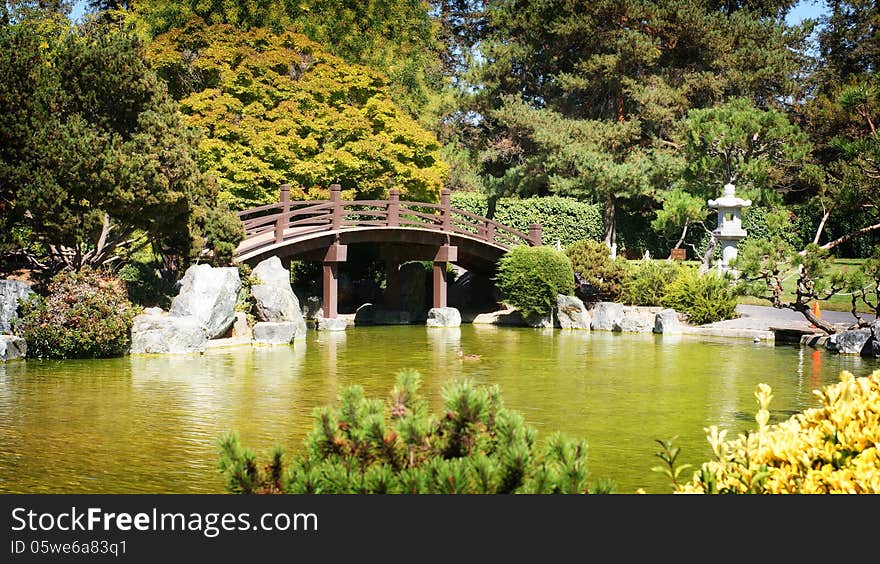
x=149, y=424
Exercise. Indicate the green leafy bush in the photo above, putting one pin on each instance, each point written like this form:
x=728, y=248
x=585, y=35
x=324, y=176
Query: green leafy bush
x=529, y=278
x=705, y=298
x=564, y=219
x=598, y=277
x=647, y=281
x=365, y=446
x=86, y=314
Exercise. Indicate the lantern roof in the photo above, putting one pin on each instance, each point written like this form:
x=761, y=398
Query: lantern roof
x=729, y=199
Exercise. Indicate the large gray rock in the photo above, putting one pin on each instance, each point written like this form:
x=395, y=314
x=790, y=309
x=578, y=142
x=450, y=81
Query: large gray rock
x=208, y=294
x=848, y=342
x=274, y=298
x=872, y=347
x=666, y=322
x=10, y=292
x=167, y=334
x=277, y=332
x=330, y=324
x=571, y=313
x=443, y=317
x=240, y=327
x=635, y=320
x=12, y=348
x=606, y=315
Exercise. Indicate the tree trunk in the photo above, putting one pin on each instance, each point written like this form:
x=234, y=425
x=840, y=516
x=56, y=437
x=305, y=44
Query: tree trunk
x=608, y=219
x=807, y=312
x=821, y=226
x=706, y=262
x=491, y=205
x=684, y=233
x=852, y=235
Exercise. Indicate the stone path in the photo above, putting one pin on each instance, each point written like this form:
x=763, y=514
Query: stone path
x=755, y=322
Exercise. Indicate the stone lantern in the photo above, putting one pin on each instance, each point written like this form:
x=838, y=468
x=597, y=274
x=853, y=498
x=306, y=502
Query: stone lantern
x=729, y=230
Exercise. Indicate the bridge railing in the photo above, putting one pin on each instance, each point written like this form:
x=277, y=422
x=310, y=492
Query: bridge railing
x=273, y=223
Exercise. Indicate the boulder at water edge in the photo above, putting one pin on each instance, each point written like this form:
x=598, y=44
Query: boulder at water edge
x=330, y=324
x=635, y=320
x=155, y=333
x=606, y=315
x=848, y=342
x=276, y=332
x=571, y=313
x=666, y=322
x=443, y=317
x=10, y=292
x=274, y=298
x=12, y=347
x=208, y=294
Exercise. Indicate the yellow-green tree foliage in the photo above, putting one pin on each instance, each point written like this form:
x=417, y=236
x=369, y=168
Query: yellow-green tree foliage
x=834, y=448
x=275, y=107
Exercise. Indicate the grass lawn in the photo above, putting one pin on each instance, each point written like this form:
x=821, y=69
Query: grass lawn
x=838, y=302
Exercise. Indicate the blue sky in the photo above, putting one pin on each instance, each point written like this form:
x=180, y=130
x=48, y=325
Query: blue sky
x=806, y=9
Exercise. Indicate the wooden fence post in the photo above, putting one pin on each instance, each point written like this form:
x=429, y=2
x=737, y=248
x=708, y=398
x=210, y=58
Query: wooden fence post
x=335, y=197
x=281, y=222
x=535, y=236
x=445, y=210
x=393, y=219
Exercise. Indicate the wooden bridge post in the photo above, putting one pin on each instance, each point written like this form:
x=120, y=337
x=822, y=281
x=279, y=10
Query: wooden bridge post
x=394, y=208
x=280, y=223
x=535, y=236
x=445, y=210
x=445, y=255
x=335, y=198
x=335, y=254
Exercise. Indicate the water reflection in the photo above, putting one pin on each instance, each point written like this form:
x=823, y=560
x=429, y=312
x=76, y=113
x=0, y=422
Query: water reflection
x=150, y=424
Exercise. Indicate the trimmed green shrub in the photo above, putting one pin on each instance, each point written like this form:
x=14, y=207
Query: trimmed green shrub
x=597, y=276
x=86, y=314
x=705, y=298
x=529, y=278
x=564, y=219
x=647, y=281
x=367, y=446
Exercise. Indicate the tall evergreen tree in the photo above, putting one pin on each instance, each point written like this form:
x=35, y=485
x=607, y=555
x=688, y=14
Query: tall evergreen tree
x=635, y=66
x=95, y=156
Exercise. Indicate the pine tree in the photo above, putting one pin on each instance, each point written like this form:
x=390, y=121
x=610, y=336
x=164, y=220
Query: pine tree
x=365, y=446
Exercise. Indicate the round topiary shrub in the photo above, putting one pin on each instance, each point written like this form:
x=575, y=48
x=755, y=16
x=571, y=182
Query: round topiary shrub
x=704, y=298
x=86, y=314
x=530, y=278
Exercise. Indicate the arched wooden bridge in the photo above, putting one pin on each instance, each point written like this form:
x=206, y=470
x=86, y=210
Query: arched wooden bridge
x=322, y=230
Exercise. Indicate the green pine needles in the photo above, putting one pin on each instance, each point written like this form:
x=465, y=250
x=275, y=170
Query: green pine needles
x=366, y=446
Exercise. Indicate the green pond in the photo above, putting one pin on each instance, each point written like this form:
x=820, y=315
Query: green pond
x=149, y=424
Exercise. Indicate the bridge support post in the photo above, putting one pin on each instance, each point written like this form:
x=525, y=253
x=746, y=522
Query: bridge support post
x=331, y=289
x=336, y=253
x=445, y=255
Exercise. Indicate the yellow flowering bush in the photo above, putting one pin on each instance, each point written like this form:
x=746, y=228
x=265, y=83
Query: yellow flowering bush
x=834, y=448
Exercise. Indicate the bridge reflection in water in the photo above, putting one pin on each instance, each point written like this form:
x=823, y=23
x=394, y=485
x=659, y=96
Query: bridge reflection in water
x=405, y=231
